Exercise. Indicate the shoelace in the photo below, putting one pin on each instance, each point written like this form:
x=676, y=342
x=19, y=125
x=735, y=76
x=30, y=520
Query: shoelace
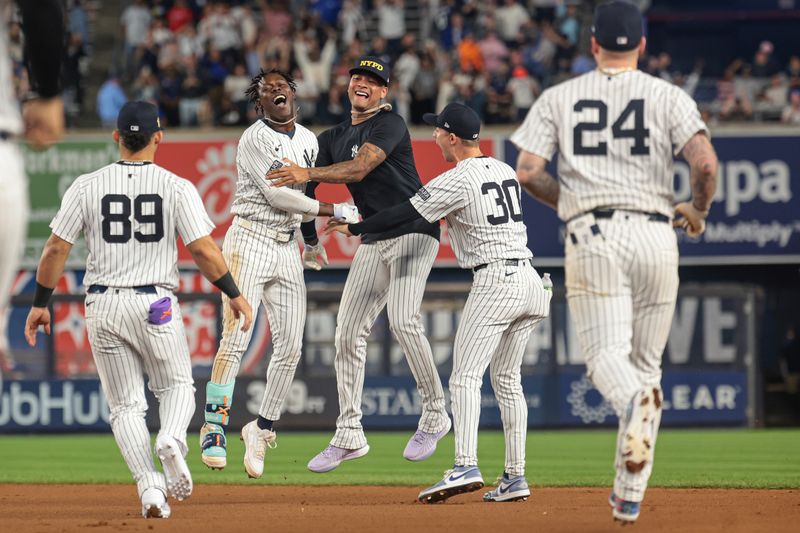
x=419, y=437
x=264, y=442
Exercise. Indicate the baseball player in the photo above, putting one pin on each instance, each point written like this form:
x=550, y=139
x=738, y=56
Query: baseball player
x=131, y=213
x=616, y=130
x=480, y=200
x=261, y=249
x=42, y=120
x=371, y=153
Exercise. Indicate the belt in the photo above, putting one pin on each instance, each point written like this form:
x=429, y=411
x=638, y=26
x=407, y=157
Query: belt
x=263, y=229
x=608, y=213
x=508, y=262
x=140, y=289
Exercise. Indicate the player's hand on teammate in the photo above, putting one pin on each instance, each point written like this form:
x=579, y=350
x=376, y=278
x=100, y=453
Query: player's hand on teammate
x=38, y=316
x=690, y=218
x=289, y=174
x=337, y=225
x=241, y=307
x=314, y=256
x=44, y=121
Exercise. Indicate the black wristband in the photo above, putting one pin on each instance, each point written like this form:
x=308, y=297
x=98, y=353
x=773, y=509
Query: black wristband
x=355, y=229
x=41, y=295
x=228, y=286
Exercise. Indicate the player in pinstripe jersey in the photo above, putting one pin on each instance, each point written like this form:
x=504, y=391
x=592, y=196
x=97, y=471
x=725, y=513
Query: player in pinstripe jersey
x=480, y=200
x=371, y=153
x=261, y=249
x=131, y=213
x=41, y=121
x=616, y=130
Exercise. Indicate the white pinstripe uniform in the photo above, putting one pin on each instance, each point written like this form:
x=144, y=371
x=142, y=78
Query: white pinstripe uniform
x=616, y=134
x=13, y=182
x=480, y=199
x=264, y=258
x=131, y=214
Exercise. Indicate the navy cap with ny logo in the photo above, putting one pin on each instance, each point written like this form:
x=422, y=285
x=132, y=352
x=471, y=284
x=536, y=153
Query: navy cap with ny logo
x=138, y=117
x=458, y=119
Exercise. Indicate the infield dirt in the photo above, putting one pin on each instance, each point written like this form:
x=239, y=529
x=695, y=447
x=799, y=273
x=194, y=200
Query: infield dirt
x=223, y=508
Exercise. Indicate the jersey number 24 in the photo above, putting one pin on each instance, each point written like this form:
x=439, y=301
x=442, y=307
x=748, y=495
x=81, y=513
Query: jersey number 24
x=155, y=216
x=638, y=133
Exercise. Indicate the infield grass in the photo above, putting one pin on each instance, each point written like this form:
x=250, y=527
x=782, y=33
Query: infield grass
x=684, y=458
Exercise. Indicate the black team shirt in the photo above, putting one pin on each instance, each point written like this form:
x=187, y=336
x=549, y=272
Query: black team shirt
x=390, y=183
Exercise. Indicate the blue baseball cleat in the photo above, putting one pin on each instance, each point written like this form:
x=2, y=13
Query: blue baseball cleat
x=509, y=489
x=459, y=480
x=623, y=510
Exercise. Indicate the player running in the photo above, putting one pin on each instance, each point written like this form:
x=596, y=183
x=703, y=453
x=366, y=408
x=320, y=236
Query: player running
x=131, y=213
x=616, y=130
x=260, y=246
x=480, y=200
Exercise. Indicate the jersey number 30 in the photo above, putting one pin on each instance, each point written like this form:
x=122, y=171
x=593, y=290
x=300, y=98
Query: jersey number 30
x=506, y=196
x=154, y=216
x=638, y=133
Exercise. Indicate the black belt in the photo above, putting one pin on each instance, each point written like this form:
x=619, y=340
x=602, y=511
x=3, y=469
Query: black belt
x=608, y=213
x=508, y=262
x=141, y=289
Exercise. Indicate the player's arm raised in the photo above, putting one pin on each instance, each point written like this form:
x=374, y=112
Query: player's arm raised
x=51, y=266
x=208, y=257
x=368, y=157
x=536, y=180
x=703, y=163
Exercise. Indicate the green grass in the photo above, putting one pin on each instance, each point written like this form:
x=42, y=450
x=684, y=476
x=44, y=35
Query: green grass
x=684, y=458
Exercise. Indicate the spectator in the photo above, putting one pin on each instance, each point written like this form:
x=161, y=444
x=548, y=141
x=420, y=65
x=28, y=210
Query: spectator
x=764, y=65
x=236, y=100
x=774, y=98
x=469, y=54
x=316, y=66
x=391, y=24
x=135, y=26
x=179, y=16
x=79, y=22
x=351, y=22
x=146, y=87
x=193, y=107
x=568, y=24
x=276, y=18
x=510, y=17
x=493, y=51
x=169, y=95
x=424, y=89
x=221, y=30
x=328, y=10
x=189, y=43
x=110, y=99
x=453, y=32
x=405, y=70
x=73, y=75
x=523, y=89
x=791, y=113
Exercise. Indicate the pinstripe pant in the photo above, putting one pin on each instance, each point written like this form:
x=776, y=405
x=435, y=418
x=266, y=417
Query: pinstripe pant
x=125, y=345
x=504, y=305
x=392, y=272
x=622, y=288
x=13, y=219
x=269, y=271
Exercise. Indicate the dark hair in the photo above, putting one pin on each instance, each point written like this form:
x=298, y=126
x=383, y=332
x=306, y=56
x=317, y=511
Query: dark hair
x=134, y=142
x=252, y=90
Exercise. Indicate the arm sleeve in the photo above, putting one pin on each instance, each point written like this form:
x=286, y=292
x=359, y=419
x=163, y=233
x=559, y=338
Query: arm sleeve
x=684, y=120
x=43, y=25
x=254, y=162
x=68, y=222
x=309, y=229
x=440, y=197
x=391, y=218
x=192, y=219
x=538, y=134
x=388, y=133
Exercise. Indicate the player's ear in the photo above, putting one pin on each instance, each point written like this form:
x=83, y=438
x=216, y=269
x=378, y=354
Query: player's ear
x=595, y=47
x=642, y=46
x=158, y=137
x=384, y=91
x=115, y=136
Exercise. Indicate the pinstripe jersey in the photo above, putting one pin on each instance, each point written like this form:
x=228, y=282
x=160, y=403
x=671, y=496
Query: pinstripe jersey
x=480, y=198
x=10, y=118
x=616, y=135
x=261, y=149
x=131, y=213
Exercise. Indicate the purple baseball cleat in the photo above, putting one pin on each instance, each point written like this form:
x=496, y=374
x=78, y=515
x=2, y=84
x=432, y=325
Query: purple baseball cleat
x=423, y=444
x=333, y=456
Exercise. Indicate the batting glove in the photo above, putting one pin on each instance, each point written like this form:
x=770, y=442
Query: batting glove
x=314, y=256
x=690, y=218
x=347, y=213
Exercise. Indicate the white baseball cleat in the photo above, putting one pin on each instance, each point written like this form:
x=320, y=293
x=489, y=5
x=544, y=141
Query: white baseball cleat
x=256, y=442
x=179, y=479
x=154, y=504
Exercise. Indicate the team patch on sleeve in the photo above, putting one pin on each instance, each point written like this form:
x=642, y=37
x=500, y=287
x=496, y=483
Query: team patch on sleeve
x=275, y=165
x=423, y=193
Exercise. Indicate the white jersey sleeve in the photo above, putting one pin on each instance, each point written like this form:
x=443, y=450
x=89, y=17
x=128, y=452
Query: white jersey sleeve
x=69, y=221
x=538, y=133
x=685, y=120
x=192, y=219
x=440, y=197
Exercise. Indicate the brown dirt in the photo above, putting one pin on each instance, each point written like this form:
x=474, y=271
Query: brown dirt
x=218, y=509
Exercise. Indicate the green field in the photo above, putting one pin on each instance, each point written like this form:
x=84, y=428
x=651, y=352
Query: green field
x=684, y=458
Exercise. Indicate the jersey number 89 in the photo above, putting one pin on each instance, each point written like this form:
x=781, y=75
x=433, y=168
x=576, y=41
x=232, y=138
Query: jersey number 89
x=154, y=216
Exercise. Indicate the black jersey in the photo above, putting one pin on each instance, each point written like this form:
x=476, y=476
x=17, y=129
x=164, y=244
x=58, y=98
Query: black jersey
x=390, y=183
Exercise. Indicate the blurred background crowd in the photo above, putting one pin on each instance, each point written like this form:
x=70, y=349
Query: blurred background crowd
x=195, y=58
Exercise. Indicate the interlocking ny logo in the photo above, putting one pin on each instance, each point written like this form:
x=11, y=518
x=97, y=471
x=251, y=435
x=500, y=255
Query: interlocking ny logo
x=308, y=158
x=354, y=151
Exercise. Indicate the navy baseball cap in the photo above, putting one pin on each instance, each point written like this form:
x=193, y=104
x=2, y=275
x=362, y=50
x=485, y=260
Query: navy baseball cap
x=372, y=65
x=617, y=26
x=457, y=119
x=138, y=117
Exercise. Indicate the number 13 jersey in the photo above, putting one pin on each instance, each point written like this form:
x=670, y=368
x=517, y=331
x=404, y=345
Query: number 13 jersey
x=131, y=213
x=480, y=199
x=616, y=134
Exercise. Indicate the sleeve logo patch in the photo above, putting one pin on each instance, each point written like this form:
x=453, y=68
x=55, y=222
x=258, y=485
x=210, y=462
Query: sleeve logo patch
x=275, y=165
x=423, y=193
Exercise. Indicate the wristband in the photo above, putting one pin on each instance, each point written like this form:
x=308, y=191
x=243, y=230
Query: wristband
x=228, y=286
x=41, y=295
